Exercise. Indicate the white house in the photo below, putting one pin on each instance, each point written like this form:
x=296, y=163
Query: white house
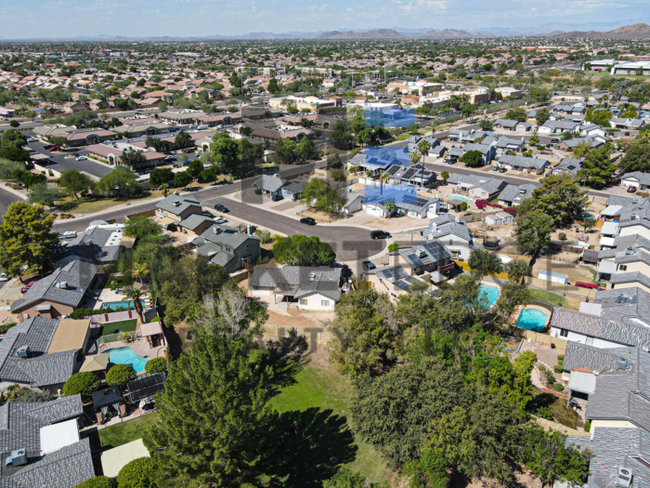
x=637, y=179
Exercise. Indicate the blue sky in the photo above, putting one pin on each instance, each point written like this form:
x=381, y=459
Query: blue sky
x=71, y=18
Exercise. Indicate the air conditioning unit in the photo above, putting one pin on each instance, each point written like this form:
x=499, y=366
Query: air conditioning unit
x=624, y=478
x=313, y=277
x=23, y=351
x=17, y=458
x=623, y=364
x=63, y=285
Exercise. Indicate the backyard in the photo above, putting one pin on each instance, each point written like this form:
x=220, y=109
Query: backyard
x=124, y=432
x=119, y=327
x=318, y=405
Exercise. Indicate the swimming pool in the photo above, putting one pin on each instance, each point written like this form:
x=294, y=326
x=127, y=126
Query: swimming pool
x=128, y=304
x=492, y=293
x=532, y=319
x=460, y=197
x=126, y=355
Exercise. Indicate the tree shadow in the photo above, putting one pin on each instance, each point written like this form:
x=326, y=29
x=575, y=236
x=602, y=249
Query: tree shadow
x=285, y=356
x=539, y=401
x=323, y=443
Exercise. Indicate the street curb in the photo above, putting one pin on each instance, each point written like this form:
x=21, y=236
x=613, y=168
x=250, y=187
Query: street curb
x=14, y=192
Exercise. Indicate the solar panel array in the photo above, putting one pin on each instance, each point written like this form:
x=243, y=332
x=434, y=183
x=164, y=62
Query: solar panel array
x=415, y=200
x=394, y=272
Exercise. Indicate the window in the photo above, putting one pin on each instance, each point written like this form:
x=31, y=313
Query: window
x=303, y=301
x=564, y=333
x=324, y=303
x=622, y=267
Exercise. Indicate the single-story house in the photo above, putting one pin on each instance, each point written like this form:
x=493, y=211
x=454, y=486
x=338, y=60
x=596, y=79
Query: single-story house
x=521, y=163
x=483, y=187
x=424, y=256
x=558, y=126
x=453, y=233
x=515, y=194
x=313, y=287
x=178, y=207
x=196, y=224
x=270, y=185
x=513, y=125
x=506, y=144
x=568, y=166
x=637, y=179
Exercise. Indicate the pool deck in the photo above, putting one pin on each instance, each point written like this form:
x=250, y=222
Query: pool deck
x=139, y=346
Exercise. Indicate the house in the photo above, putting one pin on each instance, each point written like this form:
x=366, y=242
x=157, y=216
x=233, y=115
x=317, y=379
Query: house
x=571, y=144
x=637, y=179
x=482, y=187
x=293, y=190
x=558, y=126
x=175, y=208
x=7, y=112
x=629, y=124
x=524, y=164
x=459, y=135
x=513, y=125
x=628, y=305
x=413, y=142
x=411, y=175
x=42, y=445
x=488, y=152
x=228, y=247
x=270, y=185
x=593, y=130
x=43, y=353
x=57, y=294
x=424, y=256
x=394, y=280
x=99, y=244
x=74, y=107
x=195, y=224
x=499, y=218
x=453, y=233
x=313, y=287
x=505, y=144
x=515, y=194
x=568, y=166
x=399, y=202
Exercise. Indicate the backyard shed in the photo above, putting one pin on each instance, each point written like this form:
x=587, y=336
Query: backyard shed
x=553, y=277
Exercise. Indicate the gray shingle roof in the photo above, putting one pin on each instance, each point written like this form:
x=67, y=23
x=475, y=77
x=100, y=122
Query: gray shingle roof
x=523, y=162
x=643, y=178
x=77, y=274
x=184, y=202
x=635, y=308
x=194, y=220
x=635, y=277
x=505, y=142
x=269, y=183
x=514, y=195
x=490, y=185
x=581, y=356
x=92, y=246
x=294, y=280
x=506, y=123
x=423, y=253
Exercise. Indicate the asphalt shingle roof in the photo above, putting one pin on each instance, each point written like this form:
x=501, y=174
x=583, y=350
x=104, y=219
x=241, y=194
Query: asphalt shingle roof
x=269, y=183
x=514, y=195
x=294, y=280
x=523, y=162
x=184, y=202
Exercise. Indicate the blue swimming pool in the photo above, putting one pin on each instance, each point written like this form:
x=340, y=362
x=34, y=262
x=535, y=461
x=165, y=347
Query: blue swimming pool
x=492, y=293
x=126, y=355
x=532, y=319
x=120, y=305
x=460, y=197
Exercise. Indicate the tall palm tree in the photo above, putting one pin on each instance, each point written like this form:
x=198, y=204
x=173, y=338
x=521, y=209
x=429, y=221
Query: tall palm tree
x=139, y=271
x=136, y=295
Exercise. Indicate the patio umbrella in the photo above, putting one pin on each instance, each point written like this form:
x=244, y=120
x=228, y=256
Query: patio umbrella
x=95, y=362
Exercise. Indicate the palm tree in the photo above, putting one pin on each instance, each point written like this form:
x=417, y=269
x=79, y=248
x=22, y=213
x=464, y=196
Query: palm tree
x=389, y=204
x=139, y=271
x=136, y=295
x=164, y=188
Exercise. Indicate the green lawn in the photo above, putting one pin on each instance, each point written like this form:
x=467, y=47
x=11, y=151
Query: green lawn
x=554, y=298
x=318, y=404
x=124, y=432
x=119, y=327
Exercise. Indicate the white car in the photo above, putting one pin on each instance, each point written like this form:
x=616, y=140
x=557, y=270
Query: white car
x=81, y=158
x=220, y=220
x=4, y=277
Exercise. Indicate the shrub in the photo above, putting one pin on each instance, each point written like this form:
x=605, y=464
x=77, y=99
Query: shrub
x=155, y=319
x=560, y=357
x=156, y=365
x=258, y=191
x=98, y=482
x=558, y=387
x=393, y=247
x=562, y=236
x=545, y=413
x=5, y=327
x=550, y=378
x=138, y=473
x=84, y=383
x=587, y=426
x=463, y=206
x=481, y=204
x=120, y=374
x=557, y=368
x=34, y=396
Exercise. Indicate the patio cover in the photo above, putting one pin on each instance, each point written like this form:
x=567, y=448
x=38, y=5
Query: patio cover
x=116, y=458
x=145, y=386
x=107, y=397
x=95, y=362
x=151, y=329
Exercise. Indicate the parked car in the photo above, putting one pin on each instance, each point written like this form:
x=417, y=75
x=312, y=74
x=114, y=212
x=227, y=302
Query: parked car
x=48, y=146
x=368, y=266
x=496, y=168
x=54, y=148
x=307, y=221
x=221, y=208
x=631, y=189
x=503, y=170
x=26, y=288
x=379, y=234
x=277, y=198
x=81, y=158
x=4, y=277
x=221, y=220
x=169, y=159
x=589, y=286
x=32, y=139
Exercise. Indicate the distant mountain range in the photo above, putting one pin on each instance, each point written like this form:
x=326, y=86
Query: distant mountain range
x=635, y=31
x=594, y=30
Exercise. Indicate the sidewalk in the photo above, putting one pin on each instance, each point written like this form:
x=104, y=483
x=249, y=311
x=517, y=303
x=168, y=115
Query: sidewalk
x=13, y=192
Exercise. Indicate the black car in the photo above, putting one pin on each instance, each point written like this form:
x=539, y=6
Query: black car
x=379, y=234
x=368, y=266
x=307, y=221
x=221, y=208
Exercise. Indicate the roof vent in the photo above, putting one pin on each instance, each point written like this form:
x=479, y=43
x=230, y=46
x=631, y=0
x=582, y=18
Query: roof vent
x=217, y=230
x=177, y=203
x=623, y=364
x=313, y=277
x=17, y=458
x=23, y=351
x=623, y=477
x=522, y=191
x=422, y=254
x=62, y=284
x=621, y=298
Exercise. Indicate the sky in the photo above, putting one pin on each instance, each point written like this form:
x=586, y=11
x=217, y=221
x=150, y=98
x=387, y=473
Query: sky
x=191, y=18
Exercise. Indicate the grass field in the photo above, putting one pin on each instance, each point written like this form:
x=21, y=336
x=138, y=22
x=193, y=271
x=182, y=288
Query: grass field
x=124, y=432
x=554, y=298
x=119, y=327
x=90, y=205
x=318, y=404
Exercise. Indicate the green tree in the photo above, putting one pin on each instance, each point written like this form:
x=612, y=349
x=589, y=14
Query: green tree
x=341, y=136
x=346, y=478
x=139, y=473
x=299, y=250
x=473, y=159
x=75, y=182
x=120, y=183
x=637, y=158
x=285, y=151
x=517, y=269
x=140, y=227
x=533, y=231
x=560, y=197
x=599, y=117
x=224, y=152
x=319, y=194
x=334, y=162
x=160, y=176
x=81, y=383
x=542, y=116
x=305, y=149
x=120, y=374
x=195, y=168
x=135, y=295
x=534, y=139
x=45, y=194
x=273, y=87
x=598, y=170
x=14, y=124
x=98, y=482
x=485, y=262
x=156, y=365
x=338, y=175
x=518, y=114
x=156, y=143
x=486, y=124
x=182, y=179
x=249, y=154
x=444, y=175
x=183, y=139
x=133, y=159
x=27, y=243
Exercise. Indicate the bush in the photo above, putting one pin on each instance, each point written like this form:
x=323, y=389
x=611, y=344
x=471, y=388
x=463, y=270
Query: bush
x=5, y=327
x=98, y=482
x=258, y=191
x=138, y=473
x=558, y=387
x=120, y=374
x=393, y=247
x=587, y=426
x=545, y=413
x=84, y=383
x=557, y=368
x=156, y=365
x=560, y=357
x=562, y=236
x=550, y=377
x=463, y=206
x=34, y=396
x=155, y=319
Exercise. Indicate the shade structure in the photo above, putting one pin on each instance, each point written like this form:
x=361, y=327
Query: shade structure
x=95, y=362
x=107, y=397
x=145, y=386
